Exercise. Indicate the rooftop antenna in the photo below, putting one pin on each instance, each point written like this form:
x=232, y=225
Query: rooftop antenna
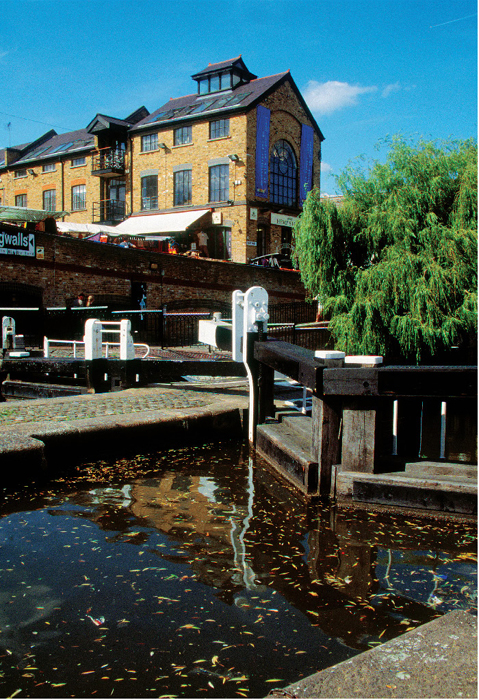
x=9, y=127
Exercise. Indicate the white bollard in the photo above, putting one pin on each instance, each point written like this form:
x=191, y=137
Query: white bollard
x=93, y=339
x=238, y=325
x=127, y=349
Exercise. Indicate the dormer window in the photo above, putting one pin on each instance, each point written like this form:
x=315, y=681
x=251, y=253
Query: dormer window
x=216, y=83
x=223, y=76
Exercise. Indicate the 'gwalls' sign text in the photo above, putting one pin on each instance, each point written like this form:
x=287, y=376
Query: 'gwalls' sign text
x=17, y=243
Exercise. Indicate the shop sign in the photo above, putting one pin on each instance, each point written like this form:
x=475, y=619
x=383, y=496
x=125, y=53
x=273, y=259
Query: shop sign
x=17, y=243
x=283, y=220
x=253, y=214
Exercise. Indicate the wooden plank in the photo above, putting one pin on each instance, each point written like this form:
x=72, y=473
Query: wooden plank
x=357, y=381
x=359, y=435
x=404, y=381
x=426, y=381
x=326, y=445
x=291, y=360
x=265, y=392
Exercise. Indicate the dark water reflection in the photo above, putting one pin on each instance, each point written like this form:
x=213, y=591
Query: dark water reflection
x=195, y=573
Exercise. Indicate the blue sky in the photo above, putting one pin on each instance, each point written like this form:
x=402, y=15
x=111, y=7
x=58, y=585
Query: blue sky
x=367, y=68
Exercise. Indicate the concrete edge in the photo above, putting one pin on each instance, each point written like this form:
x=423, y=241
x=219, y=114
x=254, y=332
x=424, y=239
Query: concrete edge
x=42, y=448
x=436, y=660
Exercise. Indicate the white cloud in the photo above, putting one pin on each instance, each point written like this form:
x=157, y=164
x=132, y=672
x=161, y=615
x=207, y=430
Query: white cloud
x=326, y=168
x=392, y=87
x=325, y=98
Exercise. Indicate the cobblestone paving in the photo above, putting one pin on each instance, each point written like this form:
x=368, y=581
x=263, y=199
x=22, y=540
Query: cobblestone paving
x=86, y=406
x=93, y=407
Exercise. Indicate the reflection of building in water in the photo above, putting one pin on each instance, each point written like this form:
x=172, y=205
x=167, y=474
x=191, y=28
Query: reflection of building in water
x=201, y=516
x=243, y=535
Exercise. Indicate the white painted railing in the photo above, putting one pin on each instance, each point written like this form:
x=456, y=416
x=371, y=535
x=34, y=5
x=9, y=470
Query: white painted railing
x=93, y=344
x=47, y=342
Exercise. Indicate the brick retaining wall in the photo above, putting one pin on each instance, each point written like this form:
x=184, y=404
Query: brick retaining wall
x=71, y=265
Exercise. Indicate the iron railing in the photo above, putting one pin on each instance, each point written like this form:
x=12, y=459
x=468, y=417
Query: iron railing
x=108, y=161
x=161, y=328
x=108, y=210
x=316, y=337
x=292, y=312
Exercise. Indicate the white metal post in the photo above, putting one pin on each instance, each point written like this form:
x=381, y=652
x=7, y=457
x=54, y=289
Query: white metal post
x=255, y=311
x=127, y=349
x=93, y=339
x=237, y=329
x=442, y=451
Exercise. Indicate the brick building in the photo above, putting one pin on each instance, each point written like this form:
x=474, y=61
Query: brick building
x=223, y=170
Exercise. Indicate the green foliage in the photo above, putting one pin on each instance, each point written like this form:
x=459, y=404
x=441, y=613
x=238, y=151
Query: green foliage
x=394, y=265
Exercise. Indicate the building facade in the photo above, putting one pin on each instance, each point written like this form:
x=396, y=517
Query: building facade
x=223, y=171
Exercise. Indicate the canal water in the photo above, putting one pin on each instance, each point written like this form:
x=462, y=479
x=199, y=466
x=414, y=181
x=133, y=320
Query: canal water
x=194, y=573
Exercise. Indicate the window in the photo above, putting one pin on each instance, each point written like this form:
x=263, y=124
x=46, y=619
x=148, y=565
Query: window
x=49, y=200
x=20, y=173
x=149, y=142
x=219, y=128
x=48, y=167
x=283, y=174
x=78, y=161
x=149, y=192
x=21, y=200
x=182, y=135
x=78, y=197
x=182, y=187
x=219, y=183
x=214, y=83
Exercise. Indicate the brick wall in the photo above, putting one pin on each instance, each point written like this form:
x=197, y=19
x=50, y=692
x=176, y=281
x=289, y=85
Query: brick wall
x=62, y=179
x=71, y=266
x=194, y=156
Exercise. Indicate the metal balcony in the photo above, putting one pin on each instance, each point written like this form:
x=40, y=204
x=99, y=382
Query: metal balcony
x=108, y=212
x=108, y=162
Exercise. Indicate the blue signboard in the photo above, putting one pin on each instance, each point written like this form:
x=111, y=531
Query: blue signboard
x=306, y=162
x=263, y=116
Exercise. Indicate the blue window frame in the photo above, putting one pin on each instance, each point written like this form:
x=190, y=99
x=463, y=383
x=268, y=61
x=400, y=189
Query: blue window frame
x=183, y=135
x=219, y=128
x=219, y=183
x=149, y=142
x=182, y=187
x=149, y=192
x=78, y=197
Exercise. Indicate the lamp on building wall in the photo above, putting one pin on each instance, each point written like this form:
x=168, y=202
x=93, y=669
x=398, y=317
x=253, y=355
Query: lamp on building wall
x=234, y=157
x=162, y=145
x=31, y=172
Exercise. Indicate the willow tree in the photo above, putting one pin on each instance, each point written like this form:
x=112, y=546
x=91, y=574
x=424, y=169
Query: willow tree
x=394, y=264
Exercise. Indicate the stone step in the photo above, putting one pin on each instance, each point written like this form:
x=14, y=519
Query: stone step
x=17, y=389
x=288, y=452
x=451, y=495
x=301, y=424
x=441, y=469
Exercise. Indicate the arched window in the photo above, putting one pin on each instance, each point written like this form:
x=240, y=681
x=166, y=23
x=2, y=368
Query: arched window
x=283, y=174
